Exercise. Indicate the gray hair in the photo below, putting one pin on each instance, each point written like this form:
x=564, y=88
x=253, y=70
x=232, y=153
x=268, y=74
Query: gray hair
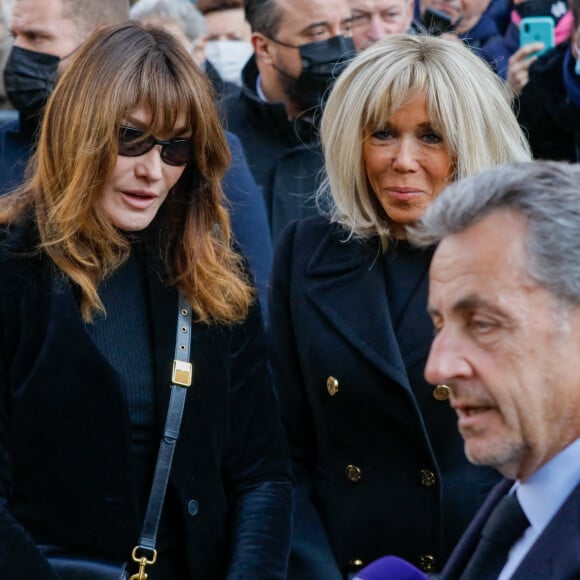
x=467, y=103
x=90, y=15
x=547, y=193
x=183, y=12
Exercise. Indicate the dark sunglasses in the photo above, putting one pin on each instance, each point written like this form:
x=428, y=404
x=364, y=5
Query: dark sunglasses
x=173, y=152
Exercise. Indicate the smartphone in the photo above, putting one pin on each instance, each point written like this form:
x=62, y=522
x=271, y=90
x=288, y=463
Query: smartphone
x=537, y=29
x=437, y=22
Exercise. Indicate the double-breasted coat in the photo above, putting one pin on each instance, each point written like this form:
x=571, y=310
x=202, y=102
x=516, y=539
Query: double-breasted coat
x=65, y=464
x=378, y=459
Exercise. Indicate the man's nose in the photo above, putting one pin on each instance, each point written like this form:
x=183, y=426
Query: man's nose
x=376, y=29
x=447, y=360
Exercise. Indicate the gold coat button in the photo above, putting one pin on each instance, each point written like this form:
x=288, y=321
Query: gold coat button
x=332, y=386
x=353, y=473
x=355, y=564
x=441, y=392
x=427, y=477
x=427, y=562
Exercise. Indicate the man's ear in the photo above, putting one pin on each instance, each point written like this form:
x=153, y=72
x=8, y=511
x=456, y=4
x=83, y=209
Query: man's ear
x=262, y=47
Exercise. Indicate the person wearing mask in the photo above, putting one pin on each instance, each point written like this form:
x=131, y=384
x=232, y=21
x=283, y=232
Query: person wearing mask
x=378, y=462
x=184, y=19
x=300, y=48
x=504, y=297
x=46, y=33
x=122, y=220
x=549, y=106
x=374, y=19
x=227, y=41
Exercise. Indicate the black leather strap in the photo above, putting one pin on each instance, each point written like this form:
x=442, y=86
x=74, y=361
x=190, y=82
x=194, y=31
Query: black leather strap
x=148, y=537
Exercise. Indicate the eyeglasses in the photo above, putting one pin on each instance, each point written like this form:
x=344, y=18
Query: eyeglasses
x=132, y=143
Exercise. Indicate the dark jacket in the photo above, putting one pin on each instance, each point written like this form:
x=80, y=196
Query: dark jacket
x=379, y=462
x=498, y=49
x=65, y=458
x=554, y=556
x=548, y=118
x=284, y=155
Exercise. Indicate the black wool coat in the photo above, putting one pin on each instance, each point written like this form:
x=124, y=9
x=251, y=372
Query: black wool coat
x=65, y=465
x=379, y=461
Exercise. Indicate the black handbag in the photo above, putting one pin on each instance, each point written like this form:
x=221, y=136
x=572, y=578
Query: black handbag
x=75, y=567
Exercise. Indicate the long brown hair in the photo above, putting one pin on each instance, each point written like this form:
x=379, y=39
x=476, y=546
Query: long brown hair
x=119, y=69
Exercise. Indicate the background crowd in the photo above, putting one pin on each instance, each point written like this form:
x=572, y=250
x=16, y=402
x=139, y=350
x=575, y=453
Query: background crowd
x=322, y=132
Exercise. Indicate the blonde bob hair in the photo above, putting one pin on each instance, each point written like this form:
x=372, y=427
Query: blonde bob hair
x=468, y=105
x=118, y=70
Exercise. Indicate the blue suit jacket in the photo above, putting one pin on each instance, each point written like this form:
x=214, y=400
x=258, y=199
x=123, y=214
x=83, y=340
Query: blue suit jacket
x=554, y=556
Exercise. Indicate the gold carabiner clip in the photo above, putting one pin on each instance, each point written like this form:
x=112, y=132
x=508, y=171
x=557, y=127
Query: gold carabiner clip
x=142, y=561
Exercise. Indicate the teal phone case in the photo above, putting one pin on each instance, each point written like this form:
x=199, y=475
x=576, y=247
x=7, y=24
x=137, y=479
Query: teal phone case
x=537, y=29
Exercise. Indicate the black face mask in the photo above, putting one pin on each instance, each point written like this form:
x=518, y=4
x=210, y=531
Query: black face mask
x=29, y=79
x=322, y=63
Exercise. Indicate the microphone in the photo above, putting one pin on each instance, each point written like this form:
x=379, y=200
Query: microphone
x=390, y=568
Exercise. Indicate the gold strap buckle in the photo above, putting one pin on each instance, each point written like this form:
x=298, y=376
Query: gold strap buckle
x=142, y=561
x=182, y=373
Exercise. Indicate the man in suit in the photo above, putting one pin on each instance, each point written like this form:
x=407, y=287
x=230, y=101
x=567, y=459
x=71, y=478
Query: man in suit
x=505, y=302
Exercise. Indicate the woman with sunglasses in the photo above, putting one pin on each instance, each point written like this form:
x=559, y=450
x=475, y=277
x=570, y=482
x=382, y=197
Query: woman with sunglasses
x=124, y=208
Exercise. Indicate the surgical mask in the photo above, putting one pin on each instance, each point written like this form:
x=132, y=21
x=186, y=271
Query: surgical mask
x=577, y=65
x=29, y=79
x=322, y=63
x=229, y=58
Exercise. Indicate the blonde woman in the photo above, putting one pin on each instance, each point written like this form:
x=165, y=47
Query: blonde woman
x=379, y=463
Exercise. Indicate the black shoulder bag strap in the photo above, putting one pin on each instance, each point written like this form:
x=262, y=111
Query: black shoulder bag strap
x=145, y=553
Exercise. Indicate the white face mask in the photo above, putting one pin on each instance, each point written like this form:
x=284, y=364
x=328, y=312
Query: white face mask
x=229, y=57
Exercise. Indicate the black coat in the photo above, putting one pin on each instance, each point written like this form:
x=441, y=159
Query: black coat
x=379, y=462
x=550, y=121
x=285, y=156
x=65, y=457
